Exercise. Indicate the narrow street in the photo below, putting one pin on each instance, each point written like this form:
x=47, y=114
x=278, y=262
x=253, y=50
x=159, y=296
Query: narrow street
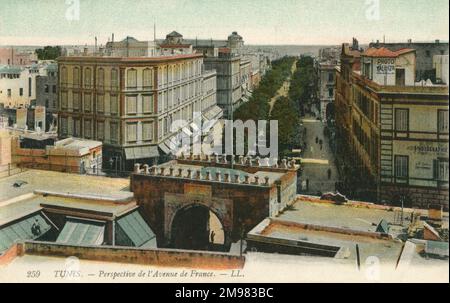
x=317, y=161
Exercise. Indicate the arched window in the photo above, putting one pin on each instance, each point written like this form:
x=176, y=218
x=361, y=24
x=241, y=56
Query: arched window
x=101, y=78
x=114, y=79
x=132, y=78
x=177, y=73
x=147, y=76
x=64, y=75
x=170, y=76
x=87, y=77
x=76, y=77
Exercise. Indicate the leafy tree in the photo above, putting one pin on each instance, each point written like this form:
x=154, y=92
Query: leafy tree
x=48, y=52
x=285, y=111
x=288, y=123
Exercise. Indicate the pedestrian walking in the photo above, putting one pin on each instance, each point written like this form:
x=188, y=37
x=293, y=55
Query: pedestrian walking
x=36, y=228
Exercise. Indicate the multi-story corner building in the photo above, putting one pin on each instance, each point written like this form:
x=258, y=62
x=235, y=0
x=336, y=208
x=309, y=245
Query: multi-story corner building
x=129, y=103
x=46, y=93
x=426, y=51
x=393, y=129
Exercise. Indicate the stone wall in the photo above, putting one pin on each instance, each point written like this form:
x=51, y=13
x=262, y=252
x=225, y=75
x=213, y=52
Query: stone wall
x=420, y=197
x=159, y=257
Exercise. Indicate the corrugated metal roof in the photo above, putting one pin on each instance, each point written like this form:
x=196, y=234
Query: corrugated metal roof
x=82, y=233
x=22, y=230
x=136, y=230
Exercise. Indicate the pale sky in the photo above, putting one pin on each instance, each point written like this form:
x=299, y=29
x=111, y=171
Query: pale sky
x=43, y=22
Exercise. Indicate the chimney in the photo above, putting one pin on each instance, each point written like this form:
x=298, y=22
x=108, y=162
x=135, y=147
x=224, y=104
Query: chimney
x=112, y=38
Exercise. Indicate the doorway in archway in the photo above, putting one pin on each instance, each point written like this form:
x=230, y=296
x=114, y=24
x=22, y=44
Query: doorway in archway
x=197, y=227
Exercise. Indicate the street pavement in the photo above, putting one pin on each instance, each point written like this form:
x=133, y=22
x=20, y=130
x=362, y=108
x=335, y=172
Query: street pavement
x=317, y=161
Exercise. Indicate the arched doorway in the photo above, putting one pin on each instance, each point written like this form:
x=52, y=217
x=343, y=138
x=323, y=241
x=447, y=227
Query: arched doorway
x=197, y=227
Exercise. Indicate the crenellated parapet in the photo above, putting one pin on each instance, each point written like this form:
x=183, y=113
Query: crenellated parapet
x=240, y=162
x=227, y=177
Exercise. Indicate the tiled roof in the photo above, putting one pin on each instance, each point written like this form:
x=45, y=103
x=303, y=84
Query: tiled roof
x=385, y=53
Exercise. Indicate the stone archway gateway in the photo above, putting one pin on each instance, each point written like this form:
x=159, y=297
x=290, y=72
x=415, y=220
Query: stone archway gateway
x=188, y=220
x=238, y=198
x=197, y=227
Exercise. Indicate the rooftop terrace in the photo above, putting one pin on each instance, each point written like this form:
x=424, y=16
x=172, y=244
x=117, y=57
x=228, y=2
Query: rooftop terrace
x=95, y=186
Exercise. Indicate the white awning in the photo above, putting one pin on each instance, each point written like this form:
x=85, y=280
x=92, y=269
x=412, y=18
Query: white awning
x=141, y=152
x=187, y=131
x=214, y=113
x=164, y=148
x=194, y=127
